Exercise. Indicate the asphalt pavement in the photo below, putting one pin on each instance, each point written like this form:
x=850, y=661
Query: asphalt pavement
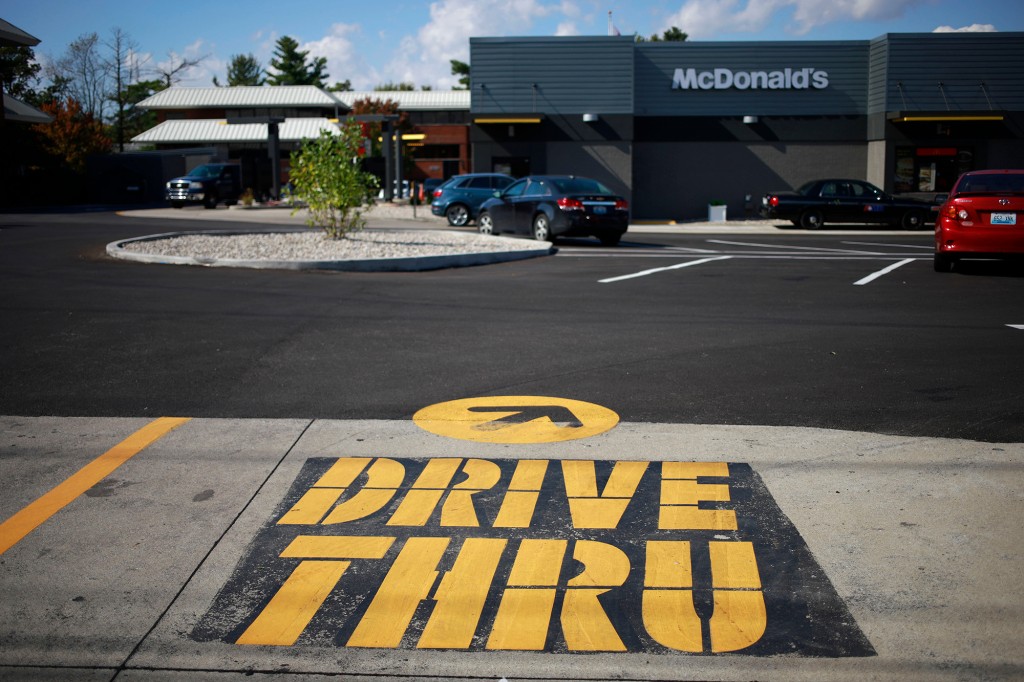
x=694, y=457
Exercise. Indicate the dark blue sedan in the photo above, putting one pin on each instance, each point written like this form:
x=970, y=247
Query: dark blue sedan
x=552, y=206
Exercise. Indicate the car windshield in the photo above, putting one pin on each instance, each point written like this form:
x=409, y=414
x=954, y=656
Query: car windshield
x=807, y=187
x=579, y=186
x=1011, y=183
x=205, y=172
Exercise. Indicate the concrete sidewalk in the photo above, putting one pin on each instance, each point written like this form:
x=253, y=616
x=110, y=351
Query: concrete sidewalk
x=419, y=217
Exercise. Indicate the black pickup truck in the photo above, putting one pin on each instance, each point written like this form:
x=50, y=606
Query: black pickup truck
x=846, y=201
x=208, y=185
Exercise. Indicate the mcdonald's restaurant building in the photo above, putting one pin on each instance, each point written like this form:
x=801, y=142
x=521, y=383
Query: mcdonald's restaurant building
x=674, y=126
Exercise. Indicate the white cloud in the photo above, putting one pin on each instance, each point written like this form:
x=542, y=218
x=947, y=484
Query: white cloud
x=200, y=75
x=567, y=28
x=425, y=58
x=973, y=28
x=344, y=59
x=710, y=18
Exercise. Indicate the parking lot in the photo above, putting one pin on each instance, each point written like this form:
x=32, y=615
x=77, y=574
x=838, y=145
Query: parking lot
x=709, y=453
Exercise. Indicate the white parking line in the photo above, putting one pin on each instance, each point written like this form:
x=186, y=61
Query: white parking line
x=655, y=270
x=1016, y=326
x=929, y=247
x=801, y=248
x=884, y=271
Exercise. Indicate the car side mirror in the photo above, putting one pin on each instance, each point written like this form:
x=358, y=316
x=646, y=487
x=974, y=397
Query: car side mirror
x=497, y=194
x=940, y=198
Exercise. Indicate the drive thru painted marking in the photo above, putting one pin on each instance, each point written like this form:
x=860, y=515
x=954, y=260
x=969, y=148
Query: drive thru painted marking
x=35, y=514
x=516, y=419
x=559, y=556
x=652, y=271
x=547, y=555
x=884, y=271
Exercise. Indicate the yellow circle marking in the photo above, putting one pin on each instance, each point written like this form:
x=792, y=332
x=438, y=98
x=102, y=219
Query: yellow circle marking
x=516, y=419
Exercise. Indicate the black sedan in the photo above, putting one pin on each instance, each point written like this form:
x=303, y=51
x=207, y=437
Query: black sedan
x=846, y=201
x=552, y=206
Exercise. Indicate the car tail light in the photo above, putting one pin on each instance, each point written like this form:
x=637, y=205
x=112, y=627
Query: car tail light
x=437, y=194
x=954, y=212
x=570, y=204
x=621, y=205
x=773, y=201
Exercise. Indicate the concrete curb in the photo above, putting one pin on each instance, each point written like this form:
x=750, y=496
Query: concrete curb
x=394, y=264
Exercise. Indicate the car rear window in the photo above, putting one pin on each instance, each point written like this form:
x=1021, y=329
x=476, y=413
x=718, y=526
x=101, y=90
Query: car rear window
x=992, y=184
x=579, y=186
x=479, y=183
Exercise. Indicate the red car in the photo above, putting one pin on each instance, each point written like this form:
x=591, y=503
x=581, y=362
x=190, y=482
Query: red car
x=982, y=218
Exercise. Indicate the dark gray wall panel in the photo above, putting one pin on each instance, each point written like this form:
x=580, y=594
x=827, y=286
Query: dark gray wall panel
x=612, y=164
x=677, y=180
x=915, y=64
x=572, y=75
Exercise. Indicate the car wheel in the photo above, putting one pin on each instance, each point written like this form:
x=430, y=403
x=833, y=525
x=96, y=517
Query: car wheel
x=913, y=220
x=944, y=262
x=485, y=224
x=210, y=201
x=812, y=220
x=457, y=214
x=610, y=239
x=542, y=228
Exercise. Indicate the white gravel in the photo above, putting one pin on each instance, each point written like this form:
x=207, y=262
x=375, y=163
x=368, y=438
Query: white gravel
x=313, y=246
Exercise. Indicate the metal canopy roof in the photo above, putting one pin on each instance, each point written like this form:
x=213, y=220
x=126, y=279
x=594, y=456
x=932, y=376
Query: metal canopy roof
x=299, y=96
x=217, y=130
x=16, y=110
x=12, y=36
x=240, y=97
x=412, y=100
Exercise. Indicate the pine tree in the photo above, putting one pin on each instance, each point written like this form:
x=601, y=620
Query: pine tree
x=291, y=68
x=244, y=69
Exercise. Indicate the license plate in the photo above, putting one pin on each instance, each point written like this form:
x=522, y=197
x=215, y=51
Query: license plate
x=600, y=210
x=1003, y=219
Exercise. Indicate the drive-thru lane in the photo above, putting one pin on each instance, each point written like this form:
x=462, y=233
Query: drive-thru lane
x=317, y=507
x=823, y=553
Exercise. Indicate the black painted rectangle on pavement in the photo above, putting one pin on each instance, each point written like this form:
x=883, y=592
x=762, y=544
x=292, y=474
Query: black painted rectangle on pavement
x=542, y=555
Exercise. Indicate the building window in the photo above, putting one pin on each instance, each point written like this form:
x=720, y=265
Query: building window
x=930, y=169
x=435, y=151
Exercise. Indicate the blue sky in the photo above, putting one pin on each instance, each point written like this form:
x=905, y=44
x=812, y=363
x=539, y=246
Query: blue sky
x=413, y=40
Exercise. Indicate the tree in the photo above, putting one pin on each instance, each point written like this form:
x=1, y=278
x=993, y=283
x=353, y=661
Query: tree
x=176, y=66
x=673, y=34
x=291, y=68
x=372, y=131
x=394, y=87
x=343, y=86
x=244, y=69
x=123, y=69
x=137, y=120
x=18, y=71
x=329, y=179
x=460, y=69
x=73, y=135
x=83, y=74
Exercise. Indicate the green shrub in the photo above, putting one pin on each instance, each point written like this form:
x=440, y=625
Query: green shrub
x=329, y=179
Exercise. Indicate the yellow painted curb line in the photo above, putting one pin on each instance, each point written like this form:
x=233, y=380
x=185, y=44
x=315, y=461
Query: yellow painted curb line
x=38, y=512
